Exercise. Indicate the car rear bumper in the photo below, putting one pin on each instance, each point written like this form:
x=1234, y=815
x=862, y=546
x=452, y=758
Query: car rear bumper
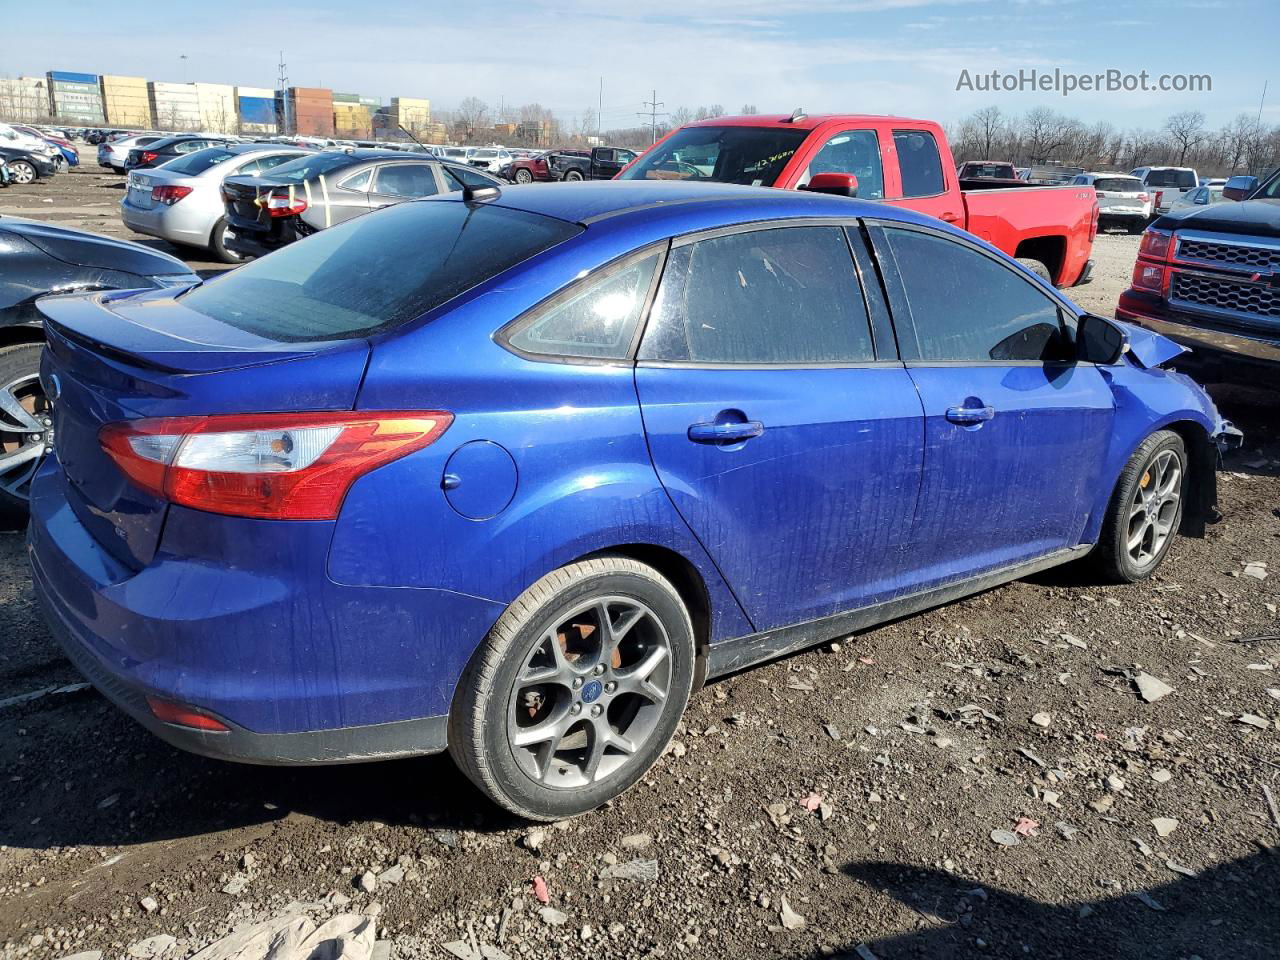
x=167, y=221
x=1217, y=346
x=300, y=670
x=249, y=242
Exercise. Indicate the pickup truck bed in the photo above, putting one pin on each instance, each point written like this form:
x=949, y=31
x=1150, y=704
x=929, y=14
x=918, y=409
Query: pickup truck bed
x=896, y=160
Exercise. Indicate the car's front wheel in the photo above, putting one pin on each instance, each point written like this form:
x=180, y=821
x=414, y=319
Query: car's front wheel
x=21, y=171
x=1145, y=510
x=577, y=689
x=573, y=176
x=26, y=428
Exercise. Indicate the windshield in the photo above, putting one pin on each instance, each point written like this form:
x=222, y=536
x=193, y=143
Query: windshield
x=989, y=171
x=748, y=155
x=200, y=161
x=310, y=167
x=375, y=272
x=1118, y=184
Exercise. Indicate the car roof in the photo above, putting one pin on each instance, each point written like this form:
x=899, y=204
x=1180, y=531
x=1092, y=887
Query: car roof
x=259, y=147
x=687, y=206
x=804, y=122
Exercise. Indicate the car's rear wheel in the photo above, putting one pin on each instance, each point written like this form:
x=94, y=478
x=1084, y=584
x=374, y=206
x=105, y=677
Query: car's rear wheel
x=573, y=176
x=524, y=176
x=22, y=171
x=577, y=689
x=26, y=427
x=218, y=243
x=1145, y=510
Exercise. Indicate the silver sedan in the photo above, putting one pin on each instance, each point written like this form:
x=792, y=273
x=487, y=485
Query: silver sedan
x=181, y=201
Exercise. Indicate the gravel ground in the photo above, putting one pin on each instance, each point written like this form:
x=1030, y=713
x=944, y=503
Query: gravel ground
x=983, y=780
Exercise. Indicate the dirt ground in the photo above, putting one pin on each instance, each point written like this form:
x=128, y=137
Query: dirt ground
x=977, y=781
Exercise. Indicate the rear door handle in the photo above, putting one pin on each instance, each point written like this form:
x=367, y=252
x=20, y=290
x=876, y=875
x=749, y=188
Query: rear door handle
x=970, y=414
x=725, y=432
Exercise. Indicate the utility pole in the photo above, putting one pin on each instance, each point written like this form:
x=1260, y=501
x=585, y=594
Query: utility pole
x=600, y=112
x=183, y=58
x=282, y=84
x=653, y=114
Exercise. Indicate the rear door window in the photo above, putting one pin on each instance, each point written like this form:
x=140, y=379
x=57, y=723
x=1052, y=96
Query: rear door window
x=781, y=296
x=919, y=164
x=405, y=180
x=371, y=274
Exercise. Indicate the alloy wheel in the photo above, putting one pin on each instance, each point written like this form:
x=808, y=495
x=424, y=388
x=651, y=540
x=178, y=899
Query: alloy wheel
x=590, y=693
x=26, y=434
x=22, y=172
x=1154, y=508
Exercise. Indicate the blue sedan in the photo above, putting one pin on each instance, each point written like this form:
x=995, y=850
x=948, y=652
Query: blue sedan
x=513, y=473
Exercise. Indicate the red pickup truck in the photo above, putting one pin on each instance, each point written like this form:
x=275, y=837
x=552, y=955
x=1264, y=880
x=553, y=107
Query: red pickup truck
x=898, y=161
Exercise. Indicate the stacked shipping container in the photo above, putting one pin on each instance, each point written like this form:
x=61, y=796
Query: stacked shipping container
x=75, y=97
x=217, y=105
x=126, y=103
x=257, y=110
x=175, y=106
x=24, y=99
x=310, y=111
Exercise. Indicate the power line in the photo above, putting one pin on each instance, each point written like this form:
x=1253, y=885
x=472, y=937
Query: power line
x=653, y=114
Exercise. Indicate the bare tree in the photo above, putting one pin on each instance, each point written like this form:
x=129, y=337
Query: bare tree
x=749, y=109
x=680, y=116
x=471, y=116
x=1187, y=129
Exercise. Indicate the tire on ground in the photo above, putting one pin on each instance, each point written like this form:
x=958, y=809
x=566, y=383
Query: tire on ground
x=16, y=362
x=478, y=738
x=1111, y=557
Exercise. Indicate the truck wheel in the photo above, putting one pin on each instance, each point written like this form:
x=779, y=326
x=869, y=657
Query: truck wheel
x=1037, y=267
x=1145, y=510
x=572, y=175
x=576, y=691
x=524, y=176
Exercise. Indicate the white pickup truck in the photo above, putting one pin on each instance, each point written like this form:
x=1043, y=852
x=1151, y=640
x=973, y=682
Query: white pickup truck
x=1166, y=184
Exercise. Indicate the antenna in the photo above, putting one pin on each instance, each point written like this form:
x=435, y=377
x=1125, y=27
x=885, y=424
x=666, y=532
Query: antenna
x=410, y=135
x=653, y=114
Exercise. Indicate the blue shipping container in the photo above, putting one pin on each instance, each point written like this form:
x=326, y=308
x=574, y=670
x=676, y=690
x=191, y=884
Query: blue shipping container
x=258, y=109
x=73, y=77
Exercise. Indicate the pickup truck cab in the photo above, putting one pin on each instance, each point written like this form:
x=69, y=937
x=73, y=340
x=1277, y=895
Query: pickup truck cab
x=1166, y=184
x=1208, y=277
x=895, y=160
x=602, y=163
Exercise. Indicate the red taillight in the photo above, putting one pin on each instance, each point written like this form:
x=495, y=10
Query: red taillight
x=282, y=203
x=185, y=716
x=1159, y=197
x=1093, y=222
x=169, y=194
x=1156, y=244
x=274, y=466
x=148, y=156
x=1148, y=276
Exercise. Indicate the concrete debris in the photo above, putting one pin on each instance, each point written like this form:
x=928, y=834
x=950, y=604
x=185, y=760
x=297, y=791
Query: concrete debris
x=1147, y=900
x=1006, y=838
x=1150, y=688
x=391, y=876
x=236, y=885
x=1041, y=719
x=156, y=946
x=534, y=840
x=637, y=841
x=296, y=937
x=149, y=904
x=639, y=870
x=1253, y=720
x=1161, y=775
x=1256, y=570
x=1164, y=825
x=790, y=919
x=552, y=917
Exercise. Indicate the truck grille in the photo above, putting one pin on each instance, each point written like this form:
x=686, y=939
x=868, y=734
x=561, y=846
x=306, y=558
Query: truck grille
x=1240, y=256
x=1257, y=300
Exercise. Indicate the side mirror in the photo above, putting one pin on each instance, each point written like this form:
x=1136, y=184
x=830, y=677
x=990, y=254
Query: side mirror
x=1239, y=187
x=1098, y=340
x=840, y=184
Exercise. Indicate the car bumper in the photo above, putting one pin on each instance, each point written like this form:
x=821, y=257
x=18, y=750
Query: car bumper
x=168, y=222
x=300, y=670
x=1085, y=275
x=1217, y=347
x=256, y=243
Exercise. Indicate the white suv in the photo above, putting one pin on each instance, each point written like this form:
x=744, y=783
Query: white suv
x=1122, y=199
x=1166, y=184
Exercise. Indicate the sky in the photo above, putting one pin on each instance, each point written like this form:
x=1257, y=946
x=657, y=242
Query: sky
x=903, y=57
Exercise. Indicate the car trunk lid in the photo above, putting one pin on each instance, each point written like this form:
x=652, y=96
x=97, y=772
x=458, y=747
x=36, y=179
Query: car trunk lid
x=114, y=357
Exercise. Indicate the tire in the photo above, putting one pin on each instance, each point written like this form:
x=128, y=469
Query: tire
x=573, y=176
x=22, y=172
x=217, y=244
x=23, y=444
x=524, y=176
x=1145, y=480
x=1037, y=267
x=570, y=770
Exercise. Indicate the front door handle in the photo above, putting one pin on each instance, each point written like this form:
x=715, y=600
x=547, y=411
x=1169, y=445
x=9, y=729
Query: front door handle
x=949, y=217
x=725, y=432
x=970, y=414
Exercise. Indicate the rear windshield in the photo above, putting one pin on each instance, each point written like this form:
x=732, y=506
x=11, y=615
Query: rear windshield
x=377, y=271
x=310, y=166
x=749, y=155
x=989, y=171
x=200, y=161
x=1118, y=184
x=1182, y=179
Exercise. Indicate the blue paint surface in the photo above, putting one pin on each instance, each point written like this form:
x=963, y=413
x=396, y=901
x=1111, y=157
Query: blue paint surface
x=859, y=488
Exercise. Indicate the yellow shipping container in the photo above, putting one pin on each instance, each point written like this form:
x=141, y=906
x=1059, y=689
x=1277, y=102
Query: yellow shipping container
x=126, y=103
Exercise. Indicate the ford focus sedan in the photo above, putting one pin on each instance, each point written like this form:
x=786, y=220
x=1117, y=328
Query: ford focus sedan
x=512, y=473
